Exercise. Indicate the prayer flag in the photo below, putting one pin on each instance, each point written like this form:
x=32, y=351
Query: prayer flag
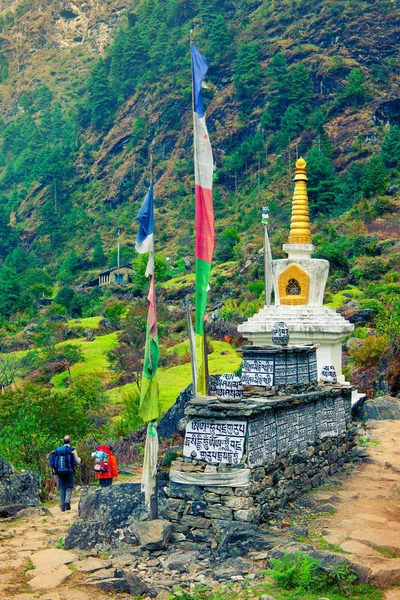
x=203, y=164
x=145, y=236
x=148, y=408
x=149, y=389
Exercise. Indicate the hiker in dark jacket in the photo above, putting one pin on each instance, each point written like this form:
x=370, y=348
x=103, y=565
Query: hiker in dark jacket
x=65, y=462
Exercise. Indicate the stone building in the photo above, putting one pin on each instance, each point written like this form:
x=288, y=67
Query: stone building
x=116, y=275
x=299, y=283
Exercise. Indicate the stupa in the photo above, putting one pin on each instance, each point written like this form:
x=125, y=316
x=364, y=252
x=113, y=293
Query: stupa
x=299, y=282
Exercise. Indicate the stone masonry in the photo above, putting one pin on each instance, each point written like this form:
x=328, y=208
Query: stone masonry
x=292, y=444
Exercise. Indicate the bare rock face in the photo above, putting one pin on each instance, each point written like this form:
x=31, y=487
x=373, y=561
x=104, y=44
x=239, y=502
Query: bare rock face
x=17, y=490
x=83, y=22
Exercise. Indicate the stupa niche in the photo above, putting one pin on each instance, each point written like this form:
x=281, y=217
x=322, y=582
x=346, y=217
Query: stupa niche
x=299, y=282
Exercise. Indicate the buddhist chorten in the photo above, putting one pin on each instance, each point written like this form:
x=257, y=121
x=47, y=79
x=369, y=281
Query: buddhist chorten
x=299, y=283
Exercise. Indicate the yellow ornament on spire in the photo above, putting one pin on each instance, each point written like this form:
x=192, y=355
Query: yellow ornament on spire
x=300, y=232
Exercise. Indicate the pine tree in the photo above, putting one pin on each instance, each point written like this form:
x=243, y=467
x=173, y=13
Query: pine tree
x=101, y=97
x=300, y=87
x=247, y=71
x=321, y=182
x=98, y=256
x=220, y=38
x=8, y=236
x=292, y=121
x=374, y=179
x=391, y=147
x=354, y=93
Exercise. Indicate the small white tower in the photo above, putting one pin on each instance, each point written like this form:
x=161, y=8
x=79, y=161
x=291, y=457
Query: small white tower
x=299, y=283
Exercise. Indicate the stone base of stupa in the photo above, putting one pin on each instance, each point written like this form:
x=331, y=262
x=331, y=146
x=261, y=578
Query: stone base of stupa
x=319, y=325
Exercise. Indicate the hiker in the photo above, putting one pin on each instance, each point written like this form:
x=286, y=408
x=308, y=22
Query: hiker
x=105, y=465
x=63, y=461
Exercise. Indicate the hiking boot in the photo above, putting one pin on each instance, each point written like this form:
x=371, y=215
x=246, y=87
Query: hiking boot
x=67, y=506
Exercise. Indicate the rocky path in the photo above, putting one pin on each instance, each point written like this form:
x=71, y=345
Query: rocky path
x=33, y=564
x=365, y=524
x=366, y=521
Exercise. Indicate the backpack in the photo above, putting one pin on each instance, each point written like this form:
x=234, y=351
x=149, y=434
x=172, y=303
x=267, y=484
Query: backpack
x=101, y=461
x=62, y=460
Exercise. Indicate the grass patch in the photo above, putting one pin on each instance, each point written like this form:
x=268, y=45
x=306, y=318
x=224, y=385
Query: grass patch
x=88, y=323
x=386, y=552
x=336, y=300
x=29, y=567
x=366, y=442
x=172, y=381
x=180, y=282
x=95, y=355
x=249, y=590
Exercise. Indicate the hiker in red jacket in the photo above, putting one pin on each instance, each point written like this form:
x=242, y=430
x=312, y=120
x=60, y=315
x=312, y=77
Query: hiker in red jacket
x=109, y=469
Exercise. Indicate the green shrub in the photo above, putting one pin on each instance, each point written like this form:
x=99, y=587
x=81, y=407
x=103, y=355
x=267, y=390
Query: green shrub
x=168, y=458
x=298, y=571
x=302, y=572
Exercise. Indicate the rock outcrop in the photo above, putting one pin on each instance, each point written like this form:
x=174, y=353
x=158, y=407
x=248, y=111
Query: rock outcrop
x=108, y=519
x=18, y=491
x=381, y=408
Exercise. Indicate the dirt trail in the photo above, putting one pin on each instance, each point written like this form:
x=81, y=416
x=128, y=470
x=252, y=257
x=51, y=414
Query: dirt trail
x=366, y=521
x=33, y=568
x=31, y=565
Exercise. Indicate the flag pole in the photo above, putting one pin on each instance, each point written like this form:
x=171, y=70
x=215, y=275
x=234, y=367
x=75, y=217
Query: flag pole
x=153, y=424
x=267, y=258
x=192, y=346
x=205, y=358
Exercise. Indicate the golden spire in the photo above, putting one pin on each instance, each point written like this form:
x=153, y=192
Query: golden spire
x=300, y=232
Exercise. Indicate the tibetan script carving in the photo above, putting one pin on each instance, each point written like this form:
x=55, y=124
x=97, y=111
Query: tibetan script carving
x=215, y=441
x=262, y=441
x=258, y=371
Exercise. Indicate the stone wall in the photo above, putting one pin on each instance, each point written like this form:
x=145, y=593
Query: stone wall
x=200, y=511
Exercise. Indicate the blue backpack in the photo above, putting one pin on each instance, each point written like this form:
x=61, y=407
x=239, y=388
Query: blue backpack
x=62, y=461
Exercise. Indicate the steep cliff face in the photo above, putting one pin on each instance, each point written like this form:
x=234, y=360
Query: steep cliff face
x=52, y=42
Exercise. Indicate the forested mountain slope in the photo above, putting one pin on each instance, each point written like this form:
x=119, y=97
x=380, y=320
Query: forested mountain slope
x=90, y=89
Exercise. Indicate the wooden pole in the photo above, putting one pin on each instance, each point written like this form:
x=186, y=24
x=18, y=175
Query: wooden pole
x=205, y=358
x=192, y=348
x=154, y=503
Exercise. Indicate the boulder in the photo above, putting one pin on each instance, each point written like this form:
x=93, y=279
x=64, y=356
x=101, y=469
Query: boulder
x=30, y=329
x=6, y=468
x=241, y=538
x=120, y=581
x=17, y=491
x=328, y=560
x=380, y=409
x=107, y=518
x=151, y=535
x=362, y=316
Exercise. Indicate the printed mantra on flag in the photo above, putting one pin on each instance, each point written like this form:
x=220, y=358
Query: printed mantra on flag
x=215, y=441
